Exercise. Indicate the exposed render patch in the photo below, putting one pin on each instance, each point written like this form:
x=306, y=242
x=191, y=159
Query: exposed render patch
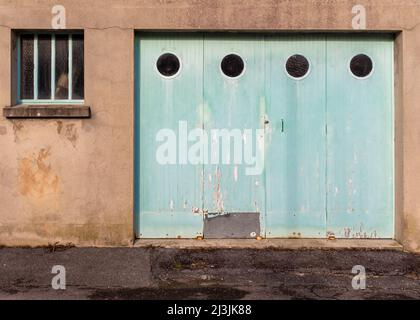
x=36, y=177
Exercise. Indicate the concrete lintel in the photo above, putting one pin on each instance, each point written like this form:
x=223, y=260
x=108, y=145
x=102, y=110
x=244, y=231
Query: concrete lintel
x=279, y=244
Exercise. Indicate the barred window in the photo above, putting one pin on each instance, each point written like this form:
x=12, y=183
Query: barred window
x=51, y=68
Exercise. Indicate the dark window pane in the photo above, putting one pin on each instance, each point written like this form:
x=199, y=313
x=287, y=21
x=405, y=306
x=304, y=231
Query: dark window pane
x=61, y=67
x=361, y=66
x=78, y=67
x=297, y=66
x=44, y=67
x=27, y=67
x=168, y=64
x=232, y=65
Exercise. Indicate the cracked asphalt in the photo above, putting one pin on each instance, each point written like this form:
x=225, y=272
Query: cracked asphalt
x=157, y=273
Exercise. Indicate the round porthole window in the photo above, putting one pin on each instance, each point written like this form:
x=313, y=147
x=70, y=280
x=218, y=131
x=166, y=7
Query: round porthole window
x=168, y=65
x=232, y=66
x=361, y=66
x=297, y=66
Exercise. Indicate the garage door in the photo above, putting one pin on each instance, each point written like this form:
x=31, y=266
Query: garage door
x=239, y=136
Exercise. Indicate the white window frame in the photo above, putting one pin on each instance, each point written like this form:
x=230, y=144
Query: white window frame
x=35, y=100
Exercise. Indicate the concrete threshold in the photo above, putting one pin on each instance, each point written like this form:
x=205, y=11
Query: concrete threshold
x=278, y=244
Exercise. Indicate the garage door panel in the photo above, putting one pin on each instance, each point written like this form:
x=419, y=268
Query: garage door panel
x=309, y=137
x=170, y=193
x=235, y=105
x=295, y=157
x=360, y=139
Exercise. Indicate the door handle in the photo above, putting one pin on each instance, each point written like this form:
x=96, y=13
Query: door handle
x=282, y=124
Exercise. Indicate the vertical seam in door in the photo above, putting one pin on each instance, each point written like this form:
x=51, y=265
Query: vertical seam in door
x=326, y=130
x=137, y=92
x=203, y=126
x=265, y=118
x=393, y=110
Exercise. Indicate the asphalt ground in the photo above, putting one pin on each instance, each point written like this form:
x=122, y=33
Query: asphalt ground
x=197, y=274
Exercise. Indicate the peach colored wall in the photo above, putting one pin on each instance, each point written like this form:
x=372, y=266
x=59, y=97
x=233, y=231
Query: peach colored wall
x=72, y=181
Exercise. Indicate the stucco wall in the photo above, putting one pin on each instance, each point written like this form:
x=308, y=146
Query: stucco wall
x=71, y=180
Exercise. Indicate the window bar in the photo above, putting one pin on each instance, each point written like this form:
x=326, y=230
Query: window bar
x=36, y=67
x=70, y=83
x=53, y=67
x=19, y=69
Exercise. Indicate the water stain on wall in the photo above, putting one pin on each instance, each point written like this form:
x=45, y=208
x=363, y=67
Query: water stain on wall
x=17, y=127
x=3, y=130
x=59, y=127
x=36, y=177
x=68, y=131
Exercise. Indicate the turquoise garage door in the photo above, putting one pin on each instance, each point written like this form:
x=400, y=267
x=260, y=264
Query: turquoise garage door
x=241, y=136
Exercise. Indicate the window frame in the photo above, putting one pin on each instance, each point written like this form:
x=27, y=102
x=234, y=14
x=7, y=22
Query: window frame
x=371, y=71
x=175, y=74
x=307, y=58
x=52, y=101
x=244, y=70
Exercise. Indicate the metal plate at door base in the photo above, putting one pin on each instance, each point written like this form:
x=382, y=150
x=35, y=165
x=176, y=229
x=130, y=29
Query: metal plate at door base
x=232, y=226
